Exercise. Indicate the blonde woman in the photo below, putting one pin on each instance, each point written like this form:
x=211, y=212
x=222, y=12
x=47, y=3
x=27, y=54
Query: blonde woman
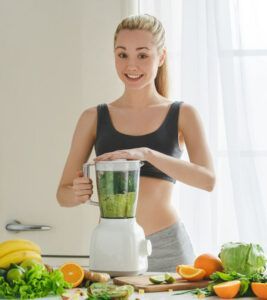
x=144, y=124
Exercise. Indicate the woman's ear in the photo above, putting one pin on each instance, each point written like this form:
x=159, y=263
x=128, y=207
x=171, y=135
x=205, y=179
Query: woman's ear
x=162, y=57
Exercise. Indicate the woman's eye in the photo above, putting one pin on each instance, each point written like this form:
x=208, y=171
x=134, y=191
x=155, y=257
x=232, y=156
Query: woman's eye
x=142, y=56
x=122, y=55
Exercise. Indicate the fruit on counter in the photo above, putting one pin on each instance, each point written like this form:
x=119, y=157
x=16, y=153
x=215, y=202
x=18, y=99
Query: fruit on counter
x=30, y=262
x=15, y=273
x=208, y=262
x=17, y=250
x=73, y=273
x=157, y=279
x=96, y=276
x=227, y=290
x=162, y=278
x=109, y=291
x=169, y=278
x=179, y=266
x=17, y=257
x=190, y=273
x=9, y=246
x=259, y=289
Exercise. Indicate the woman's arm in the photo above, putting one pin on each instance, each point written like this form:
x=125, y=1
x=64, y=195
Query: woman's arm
x=81, y=147
x=198, y=172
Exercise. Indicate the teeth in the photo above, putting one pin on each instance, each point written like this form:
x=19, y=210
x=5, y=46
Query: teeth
x=133, y=76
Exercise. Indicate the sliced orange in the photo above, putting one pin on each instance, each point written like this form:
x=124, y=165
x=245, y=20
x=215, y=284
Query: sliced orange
x=179, y=266
x=190, y=273
x=259, y=289
x=73, y=273
x=228, y=289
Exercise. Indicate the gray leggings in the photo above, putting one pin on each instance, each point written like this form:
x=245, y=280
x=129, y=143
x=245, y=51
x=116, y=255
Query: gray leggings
x=170, y=247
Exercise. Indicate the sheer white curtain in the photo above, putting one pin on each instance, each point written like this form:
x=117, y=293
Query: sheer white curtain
x=218, y=63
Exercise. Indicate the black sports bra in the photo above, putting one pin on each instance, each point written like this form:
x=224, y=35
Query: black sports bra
x=164, y=139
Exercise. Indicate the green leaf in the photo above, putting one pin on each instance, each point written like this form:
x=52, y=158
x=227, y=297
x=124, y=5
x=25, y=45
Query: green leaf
x=37, y=283
x=245, y=283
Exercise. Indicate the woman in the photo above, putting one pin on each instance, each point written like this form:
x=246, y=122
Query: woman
x=144, y=124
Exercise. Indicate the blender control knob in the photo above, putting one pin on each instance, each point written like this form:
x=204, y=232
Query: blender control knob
x=146, y=248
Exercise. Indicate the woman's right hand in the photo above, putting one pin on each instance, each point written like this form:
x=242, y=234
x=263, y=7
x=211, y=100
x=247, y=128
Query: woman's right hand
x=82, y=188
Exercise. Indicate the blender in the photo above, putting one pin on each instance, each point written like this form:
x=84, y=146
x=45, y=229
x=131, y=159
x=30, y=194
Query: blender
x=118, y=244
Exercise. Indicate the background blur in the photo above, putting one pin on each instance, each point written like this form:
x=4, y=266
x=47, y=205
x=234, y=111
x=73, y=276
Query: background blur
x=56, y=59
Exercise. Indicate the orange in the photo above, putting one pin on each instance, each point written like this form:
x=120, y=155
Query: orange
x=190, y=273
x=209, y=263
x=228, y=289
x=259, y=289
x=73, y=273
x=178, y=267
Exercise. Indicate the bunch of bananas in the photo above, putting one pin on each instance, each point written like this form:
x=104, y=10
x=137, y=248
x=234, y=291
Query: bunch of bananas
x=16, y=251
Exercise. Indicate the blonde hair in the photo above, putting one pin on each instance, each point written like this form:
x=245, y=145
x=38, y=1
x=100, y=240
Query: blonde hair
x=153, y=25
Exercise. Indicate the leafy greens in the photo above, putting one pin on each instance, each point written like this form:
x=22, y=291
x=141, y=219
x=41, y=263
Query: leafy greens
x=37, y=283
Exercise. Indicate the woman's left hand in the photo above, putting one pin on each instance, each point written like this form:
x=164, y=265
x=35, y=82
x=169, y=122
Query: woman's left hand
x=131, y=154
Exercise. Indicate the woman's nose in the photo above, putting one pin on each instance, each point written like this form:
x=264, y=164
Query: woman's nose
x=132, y=68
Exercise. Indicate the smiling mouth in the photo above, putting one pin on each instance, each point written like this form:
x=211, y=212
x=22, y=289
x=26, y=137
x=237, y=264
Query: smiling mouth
x=133, y=77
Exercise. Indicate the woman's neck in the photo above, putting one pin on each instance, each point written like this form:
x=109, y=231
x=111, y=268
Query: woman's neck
x=140, y=98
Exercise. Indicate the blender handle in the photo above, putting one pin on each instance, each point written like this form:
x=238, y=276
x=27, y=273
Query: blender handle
x=86, y=173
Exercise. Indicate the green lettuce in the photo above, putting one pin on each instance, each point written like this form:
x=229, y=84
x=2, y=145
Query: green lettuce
x=37, y=283
x=243, y=258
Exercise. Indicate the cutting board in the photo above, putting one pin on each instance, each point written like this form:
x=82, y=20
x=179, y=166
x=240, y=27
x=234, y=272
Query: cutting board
x=142, y=282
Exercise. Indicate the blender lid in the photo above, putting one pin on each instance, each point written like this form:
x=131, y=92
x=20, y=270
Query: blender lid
x=118, y=165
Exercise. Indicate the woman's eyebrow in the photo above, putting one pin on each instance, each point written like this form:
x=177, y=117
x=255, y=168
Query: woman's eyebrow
x=139, y=48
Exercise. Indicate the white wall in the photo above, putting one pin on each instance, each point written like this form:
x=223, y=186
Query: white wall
x=56, y=59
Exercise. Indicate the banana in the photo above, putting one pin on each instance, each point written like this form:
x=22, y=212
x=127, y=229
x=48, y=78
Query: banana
x=9, y=246
x=17, y=257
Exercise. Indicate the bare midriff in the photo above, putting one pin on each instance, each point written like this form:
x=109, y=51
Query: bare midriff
x=155, y=211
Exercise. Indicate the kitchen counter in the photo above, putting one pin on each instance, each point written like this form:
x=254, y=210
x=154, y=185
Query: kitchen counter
x=74, y=295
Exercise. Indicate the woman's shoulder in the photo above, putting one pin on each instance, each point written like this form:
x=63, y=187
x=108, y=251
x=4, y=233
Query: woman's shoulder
x=90, y=112
x=188, y=115
x=187, y=108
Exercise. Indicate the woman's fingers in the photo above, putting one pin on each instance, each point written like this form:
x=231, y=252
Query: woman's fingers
x=82, y=180
x=82, y=199
x=118, y=154
x=84, y=192
x=82, y=186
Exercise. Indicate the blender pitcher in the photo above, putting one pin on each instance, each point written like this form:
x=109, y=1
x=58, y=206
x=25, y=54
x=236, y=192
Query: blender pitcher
x=117, y=184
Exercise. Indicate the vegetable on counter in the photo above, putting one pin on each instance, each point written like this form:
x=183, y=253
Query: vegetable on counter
x=96, y=277
x=243, y=258
x=104, y=291
x=33, y=282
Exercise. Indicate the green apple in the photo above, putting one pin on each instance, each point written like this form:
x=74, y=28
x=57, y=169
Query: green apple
x=29, y=263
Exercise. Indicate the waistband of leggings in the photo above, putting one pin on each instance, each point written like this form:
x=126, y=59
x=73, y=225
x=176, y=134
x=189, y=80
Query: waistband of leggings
x=172, y=227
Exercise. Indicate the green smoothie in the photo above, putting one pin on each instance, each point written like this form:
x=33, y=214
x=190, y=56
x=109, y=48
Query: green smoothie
x=117, y=193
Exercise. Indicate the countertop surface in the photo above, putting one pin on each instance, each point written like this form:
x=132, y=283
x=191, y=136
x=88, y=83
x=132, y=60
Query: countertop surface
x=75, y=295
x=80, y=294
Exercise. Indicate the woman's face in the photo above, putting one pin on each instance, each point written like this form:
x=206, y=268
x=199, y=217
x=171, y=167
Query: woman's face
x=136, y=58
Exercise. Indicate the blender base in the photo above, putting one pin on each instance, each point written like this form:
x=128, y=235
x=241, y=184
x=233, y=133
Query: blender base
x=119, y=248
